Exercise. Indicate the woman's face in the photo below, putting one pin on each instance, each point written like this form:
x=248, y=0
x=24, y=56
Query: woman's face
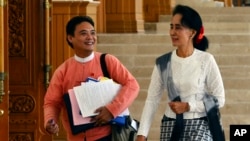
x=181, y=36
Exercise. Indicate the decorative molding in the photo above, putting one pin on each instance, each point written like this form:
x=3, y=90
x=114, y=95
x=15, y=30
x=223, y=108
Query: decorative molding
x=16, y=28
x=22, y=136
x=22, y=121
x=21, y=104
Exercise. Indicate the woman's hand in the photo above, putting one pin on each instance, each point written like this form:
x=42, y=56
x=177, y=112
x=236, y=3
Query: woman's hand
x=141, y=138
x=179, y=107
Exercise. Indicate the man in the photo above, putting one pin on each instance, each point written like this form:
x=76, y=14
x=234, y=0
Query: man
x=81, y=36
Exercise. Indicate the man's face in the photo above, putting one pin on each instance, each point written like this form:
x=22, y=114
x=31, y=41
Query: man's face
x=84, y=39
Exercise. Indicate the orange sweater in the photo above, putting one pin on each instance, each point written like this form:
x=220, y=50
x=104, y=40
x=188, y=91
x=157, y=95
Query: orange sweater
x=71, y=73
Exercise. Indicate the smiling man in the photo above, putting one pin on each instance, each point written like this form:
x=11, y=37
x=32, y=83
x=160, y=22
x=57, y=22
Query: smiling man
x=81, y=36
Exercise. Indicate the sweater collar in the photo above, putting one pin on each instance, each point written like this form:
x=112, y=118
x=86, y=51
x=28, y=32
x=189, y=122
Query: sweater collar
x=84, y=60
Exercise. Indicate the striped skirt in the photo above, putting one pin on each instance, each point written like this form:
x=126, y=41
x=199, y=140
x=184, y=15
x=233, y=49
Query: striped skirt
x=194, y=130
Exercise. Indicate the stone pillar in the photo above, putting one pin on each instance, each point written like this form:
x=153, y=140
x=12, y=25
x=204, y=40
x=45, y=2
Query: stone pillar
x=101, y=17
x=139, y=16
x=69, y=8
x=153, y=8
x=124, y=16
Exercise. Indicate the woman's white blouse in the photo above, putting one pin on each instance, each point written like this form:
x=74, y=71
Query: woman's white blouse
x=192, y=76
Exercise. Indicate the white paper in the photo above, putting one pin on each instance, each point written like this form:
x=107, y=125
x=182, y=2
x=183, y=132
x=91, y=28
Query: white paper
x=77, y=118
x=91, y=96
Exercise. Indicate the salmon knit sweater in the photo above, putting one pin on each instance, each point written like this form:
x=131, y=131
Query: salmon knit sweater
x=76, y=70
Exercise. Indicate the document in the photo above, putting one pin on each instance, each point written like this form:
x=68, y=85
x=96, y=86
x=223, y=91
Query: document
x=75, y=128
x=77, y=117
x=93, y=95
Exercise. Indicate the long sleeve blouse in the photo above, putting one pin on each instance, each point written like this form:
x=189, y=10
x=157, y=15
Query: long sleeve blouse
x=193, y=76
x=76, y=70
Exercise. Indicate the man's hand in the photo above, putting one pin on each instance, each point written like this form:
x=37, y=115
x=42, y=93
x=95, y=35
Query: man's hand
x=103, y=117
x=52, y=127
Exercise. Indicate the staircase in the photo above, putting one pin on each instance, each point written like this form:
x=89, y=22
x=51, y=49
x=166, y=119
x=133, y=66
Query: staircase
x=228, y=30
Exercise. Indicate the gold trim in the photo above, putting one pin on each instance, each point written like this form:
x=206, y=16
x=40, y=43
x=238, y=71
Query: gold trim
x=2, y=3
x=1, y=112
x=47, y=5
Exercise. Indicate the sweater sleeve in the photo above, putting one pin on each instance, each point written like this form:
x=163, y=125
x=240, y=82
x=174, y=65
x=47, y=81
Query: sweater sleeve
x=214, y=82
x=155, y=92
x=214, y=85
x=53, y=99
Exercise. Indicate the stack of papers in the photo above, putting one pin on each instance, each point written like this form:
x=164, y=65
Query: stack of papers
x=89, y=96
x=92, y=95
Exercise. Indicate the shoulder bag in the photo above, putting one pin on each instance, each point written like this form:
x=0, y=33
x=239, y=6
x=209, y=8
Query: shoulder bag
x=128, y=131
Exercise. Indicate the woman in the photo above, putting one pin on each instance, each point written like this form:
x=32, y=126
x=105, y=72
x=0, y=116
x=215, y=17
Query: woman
x=191, y=74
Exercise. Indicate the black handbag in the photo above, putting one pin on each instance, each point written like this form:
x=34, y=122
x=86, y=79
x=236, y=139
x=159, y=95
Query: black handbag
x=127, y=132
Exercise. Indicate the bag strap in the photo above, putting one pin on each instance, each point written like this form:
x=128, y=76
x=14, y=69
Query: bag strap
x=162, y=64
x=104, y=66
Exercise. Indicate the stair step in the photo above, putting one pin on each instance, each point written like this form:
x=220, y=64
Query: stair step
x=214, y=18
x=132, y=38
x=229, y=48
x=229, y=72
x=218, y=38
x=216, y=11
x=227, y=27
x=226, y=49
x=235, y=95
x=212, y=14
x=213, y=27
x=200, y=3
x=229, y=83
x=235, y=72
